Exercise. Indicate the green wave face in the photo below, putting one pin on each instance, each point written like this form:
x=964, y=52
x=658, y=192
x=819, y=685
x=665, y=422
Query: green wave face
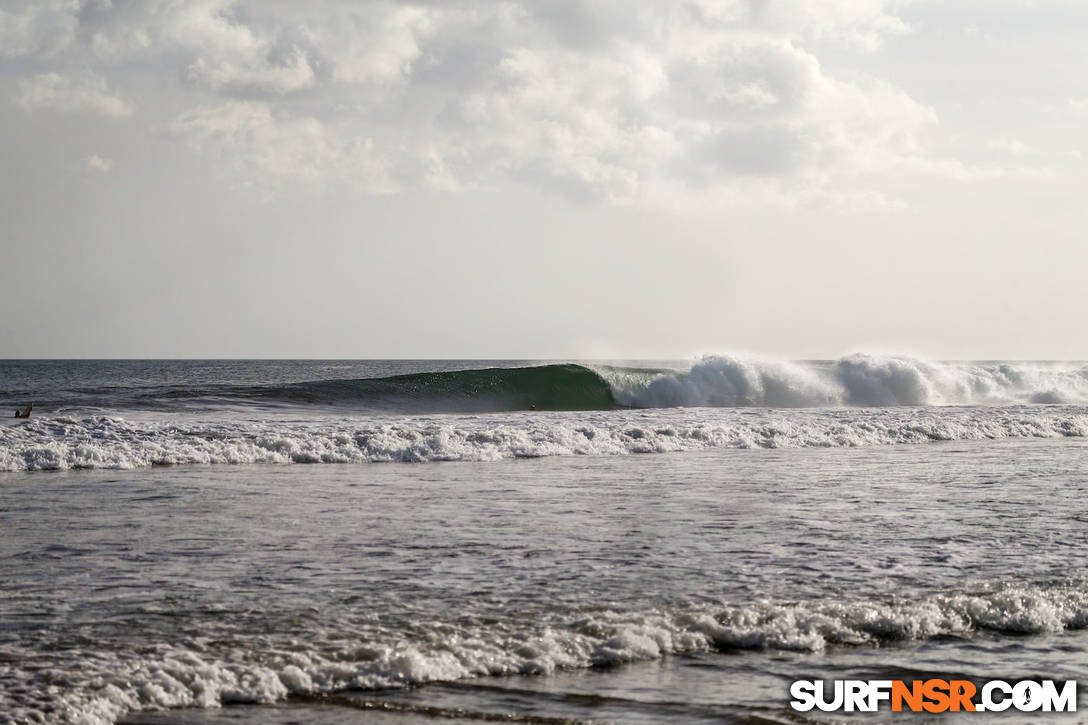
x=544, y=387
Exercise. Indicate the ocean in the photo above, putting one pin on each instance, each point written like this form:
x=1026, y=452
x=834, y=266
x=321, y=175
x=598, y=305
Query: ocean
x=534, y=541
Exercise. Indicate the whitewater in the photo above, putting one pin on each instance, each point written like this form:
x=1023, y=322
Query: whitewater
x=855, y=380
x=461, y=412
x=530, y=541
x=115, y=443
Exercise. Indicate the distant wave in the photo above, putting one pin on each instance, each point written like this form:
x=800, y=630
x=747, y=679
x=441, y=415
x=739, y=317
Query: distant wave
x=727, y=381
x=541, y=387
x=723, y=381
x=107, y=442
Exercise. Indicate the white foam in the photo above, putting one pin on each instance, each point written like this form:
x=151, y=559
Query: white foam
x=98, y=688
x=860, y=380
x=107, y=442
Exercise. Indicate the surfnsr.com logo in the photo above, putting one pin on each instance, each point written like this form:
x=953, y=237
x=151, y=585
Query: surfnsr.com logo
x=934, y=695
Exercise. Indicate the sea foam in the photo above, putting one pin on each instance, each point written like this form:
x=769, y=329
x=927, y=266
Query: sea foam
x=112, y=442
x=855, y=380
x=88, y=688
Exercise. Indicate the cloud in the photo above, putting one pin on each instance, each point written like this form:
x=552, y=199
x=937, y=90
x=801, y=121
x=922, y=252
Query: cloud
x=98, y=163
x=1010, y=145
x=85, y=92
x=597, y=100
x=374, y=46
x=38, y=27
x=231, y=55
x=1079, y=105
x=269, y=148
x=701, y=105
x=863, y=24
x=281, y=75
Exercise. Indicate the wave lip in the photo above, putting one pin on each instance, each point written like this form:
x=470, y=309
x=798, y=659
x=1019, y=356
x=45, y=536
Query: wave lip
x=859, y=380
x=734, y=382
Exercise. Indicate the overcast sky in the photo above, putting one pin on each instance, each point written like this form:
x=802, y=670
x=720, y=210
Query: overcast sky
x=546, y=178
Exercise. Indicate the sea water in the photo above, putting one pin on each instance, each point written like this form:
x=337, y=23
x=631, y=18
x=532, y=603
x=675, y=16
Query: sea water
x=495, y=542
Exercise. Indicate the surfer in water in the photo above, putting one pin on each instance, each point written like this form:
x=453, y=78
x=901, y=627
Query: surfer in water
x=24, y=412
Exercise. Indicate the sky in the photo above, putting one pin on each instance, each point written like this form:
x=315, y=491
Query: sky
x=543, y=178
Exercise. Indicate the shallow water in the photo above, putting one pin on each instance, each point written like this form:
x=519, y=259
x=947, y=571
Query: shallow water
x=683, y=587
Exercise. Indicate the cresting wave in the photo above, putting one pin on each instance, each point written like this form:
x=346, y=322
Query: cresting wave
x=855, y=380
x=541, y=387
x=713, y=381
x=98, y=688
x=108, y=442
x=728, y=381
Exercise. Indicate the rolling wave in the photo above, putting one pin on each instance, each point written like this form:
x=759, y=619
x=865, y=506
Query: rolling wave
x=721, y=381
x=494, y=389
x=540, y=387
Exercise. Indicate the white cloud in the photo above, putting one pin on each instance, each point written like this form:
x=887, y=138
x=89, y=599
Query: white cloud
x=374, y=46
x=85, y=92
x=234, y=56
x=42, y=27
x=1079, y=105
x=1010, y=145
x=861, y=23
x=270, y=149
x=98, y=163
x=113, y=45
x=699, y=105
x=282, y=75
x=593, y=99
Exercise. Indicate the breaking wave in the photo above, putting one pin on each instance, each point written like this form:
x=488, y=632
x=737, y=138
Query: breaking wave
x=719, y=402
x=89, y=687
x=713, y=381
x=856, y=380
x=727, y=381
